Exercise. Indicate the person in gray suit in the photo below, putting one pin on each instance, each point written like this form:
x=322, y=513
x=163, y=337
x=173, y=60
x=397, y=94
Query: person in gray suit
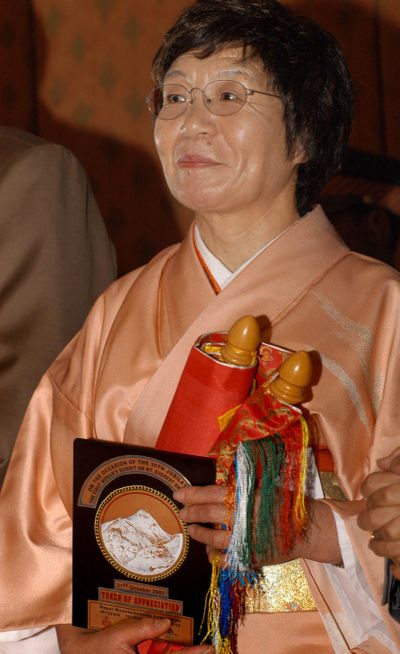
x=56, y=258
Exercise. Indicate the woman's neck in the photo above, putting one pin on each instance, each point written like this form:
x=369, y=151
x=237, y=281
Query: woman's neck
x=233, y=240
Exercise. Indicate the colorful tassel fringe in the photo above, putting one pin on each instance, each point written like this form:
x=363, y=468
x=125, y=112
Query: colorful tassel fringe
x=262, y=459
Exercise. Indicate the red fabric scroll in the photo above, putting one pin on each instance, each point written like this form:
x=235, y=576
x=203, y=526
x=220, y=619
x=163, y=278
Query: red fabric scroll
x=208, y=388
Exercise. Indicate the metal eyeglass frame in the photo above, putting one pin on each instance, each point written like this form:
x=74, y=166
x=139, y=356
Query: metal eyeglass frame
x=206, y=100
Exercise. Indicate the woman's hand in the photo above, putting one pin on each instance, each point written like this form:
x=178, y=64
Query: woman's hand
x=121, y=638
x=207, y=504
x=382, y=515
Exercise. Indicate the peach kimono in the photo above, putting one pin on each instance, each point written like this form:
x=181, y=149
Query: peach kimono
x=115, y=381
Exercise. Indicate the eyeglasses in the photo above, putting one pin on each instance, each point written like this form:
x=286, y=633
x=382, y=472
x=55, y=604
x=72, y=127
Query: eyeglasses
x=220, y=97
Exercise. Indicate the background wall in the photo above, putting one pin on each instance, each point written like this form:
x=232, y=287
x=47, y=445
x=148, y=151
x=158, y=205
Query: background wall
x=77, y=72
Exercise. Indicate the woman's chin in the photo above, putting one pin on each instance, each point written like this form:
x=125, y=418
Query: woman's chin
x=203, y=202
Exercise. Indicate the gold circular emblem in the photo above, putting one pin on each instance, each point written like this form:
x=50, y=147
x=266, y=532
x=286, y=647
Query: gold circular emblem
x=139, y=532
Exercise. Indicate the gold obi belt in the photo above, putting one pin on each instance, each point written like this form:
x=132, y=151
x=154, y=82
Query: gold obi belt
x=282, y=588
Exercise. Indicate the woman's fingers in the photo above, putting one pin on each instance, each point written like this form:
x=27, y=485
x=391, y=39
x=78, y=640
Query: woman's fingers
x=377, y=481
x=390, y=531
x=200, y=494
x=386, y=496
x=214, y=538
x=387, y=549
x=203, y=504
x=382, y=515
x=378, y=518
x=213, y=513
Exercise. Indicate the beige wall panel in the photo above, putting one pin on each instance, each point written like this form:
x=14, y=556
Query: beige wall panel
x=95, y=73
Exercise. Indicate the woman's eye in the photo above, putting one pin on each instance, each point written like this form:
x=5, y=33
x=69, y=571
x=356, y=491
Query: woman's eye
x=173, y=98
x=227, y=96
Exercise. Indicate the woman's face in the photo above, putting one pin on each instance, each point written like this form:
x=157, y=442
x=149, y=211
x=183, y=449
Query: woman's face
x=224, y=164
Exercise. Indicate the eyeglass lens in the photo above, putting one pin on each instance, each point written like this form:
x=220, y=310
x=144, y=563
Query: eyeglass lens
x=220, y=97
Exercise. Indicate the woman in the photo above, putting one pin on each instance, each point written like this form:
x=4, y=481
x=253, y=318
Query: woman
x=252, y=109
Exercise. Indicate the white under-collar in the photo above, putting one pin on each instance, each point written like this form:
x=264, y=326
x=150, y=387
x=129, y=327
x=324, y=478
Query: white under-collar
x=222, y=275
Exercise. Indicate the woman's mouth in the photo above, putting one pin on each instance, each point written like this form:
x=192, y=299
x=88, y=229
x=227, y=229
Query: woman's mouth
x=196, y=161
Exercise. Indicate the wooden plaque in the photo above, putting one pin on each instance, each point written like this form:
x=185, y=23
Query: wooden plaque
x=132, y=554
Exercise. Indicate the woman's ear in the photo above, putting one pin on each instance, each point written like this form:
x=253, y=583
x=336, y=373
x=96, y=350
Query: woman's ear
x=299, y=155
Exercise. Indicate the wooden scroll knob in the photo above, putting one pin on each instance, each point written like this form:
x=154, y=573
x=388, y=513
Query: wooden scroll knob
x=242, y=342
x=294, y=378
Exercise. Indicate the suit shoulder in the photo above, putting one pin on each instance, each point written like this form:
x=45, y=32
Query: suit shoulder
x=19, y=146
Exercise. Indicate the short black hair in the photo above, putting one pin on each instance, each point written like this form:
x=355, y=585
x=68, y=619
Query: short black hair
x=306, y=66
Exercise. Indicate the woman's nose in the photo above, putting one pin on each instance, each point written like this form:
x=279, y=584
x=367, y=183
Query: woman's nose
x=197, y=116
